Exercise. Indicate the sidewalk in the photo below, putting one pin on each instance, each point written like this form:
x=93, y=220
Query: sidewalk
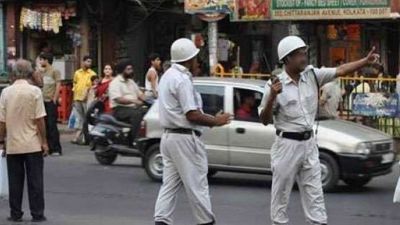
x=63, y=129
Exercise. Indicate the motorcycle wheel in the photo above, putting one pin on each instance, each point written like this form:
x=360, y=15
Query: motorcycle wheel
x=105, y=158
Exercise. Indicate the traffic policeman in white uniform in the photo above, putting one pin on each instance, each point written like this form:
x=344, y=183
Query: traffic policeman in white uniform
x=184, y=154
x=290, y=102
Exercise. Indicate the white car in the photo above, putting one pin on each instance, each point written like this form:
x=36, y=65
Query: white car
x=348, y=151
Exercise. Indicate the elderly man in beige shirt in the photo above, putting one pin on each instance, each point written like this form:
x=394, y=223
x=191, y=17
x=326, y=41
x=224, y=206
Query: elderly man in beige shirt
x=22, y=116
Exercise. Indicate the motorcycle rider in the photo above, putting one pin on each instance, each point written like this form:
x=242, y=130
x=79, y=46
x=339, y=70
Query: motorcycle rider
x=126, y=98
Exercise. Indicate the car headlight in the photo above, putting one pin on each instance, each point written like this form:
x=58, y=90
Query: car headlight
x=364, y=148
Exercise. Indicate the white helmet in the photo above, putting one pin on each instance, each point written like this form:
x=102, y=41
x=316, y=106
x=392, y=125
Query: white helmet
x=183, y=50
x=288, y=45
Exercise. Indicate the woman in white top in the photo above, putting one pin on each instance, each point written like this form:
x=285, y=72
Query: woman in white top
x=151, y=83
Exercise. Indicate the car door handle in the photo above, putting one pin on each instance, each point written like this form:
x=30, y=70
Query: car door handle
x=240, y=130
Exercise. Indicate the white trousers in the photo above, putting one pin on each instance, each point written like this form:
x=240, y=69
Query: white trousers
x=185, y=164
x=292, y=161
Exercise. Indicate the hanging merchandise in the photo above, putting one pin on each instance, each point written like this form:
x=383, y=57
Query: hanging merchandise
x=44, y=18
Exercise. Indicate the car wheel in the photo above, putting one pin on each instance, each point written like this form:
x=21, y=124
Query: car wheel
x=105, y=158
x=357, y=182
x=153, y=163
x=329, y=172
x=211, y=173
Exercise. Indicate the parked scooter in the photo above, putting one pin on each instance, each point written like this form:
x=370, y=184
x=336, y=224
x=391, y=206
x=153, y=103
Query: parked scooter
x=110, y=137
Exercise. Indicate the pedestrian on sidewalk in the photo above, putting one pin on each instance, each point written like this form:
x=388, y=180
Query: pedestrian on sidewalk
x=22, y=114
x=81, y=86
x=51, y=92
x=43, y=48
x=330, y=100
x=102, y=87
x=94, y=80
x=151, y=83
x=290, y=103
x=183, y=152
x=165, y=66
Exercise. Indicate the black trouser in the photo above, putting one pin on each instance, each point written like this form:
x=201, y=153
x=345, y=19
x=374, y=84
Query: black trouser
x=53, y=136
x=129, y=115
x=32, y=164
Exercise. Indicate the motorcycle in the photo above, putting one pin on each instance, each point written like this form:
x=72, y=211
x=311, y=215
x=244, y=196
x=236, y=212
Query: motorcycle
x=109, y=137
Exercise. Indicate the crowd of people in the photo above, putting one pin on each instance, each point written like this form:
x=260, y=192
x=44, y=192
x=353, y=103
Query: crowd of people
x=29, y=114
x=117, y=91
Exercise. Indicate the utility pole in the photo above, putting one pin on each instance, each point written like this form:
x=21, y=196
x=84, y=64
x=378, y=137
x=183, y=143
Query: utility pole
x=213, y=44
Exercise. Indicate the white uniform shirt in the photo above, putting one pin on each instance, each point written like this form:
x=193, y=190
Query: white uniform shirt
x=295, y=108
x=177, y=97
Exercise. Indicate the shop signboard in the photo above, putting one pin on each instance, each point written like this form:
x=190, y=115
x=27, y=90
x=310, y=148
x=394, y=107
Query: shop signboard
x=209, y=6
x=330, y=9
x=376, y=104
x=254, y=10
x=251, y=10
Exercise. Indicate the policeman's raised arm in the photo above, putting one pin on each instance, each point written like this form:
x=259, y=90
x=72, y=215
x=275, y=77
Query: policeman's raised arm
x=347, y=68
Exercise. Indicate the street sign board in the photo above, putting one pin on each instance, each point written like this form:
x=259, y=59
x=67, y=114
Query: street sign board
x=330, y=9
x=375, y=104
x=254, y=10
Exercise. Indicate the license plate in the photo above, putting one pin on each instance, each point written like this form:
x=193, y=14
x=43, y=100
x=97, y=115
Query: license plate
x=388, y=158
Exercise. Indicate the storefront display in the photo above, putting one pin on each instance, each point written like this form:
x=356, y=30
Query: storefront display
x=344, y=43
x=45, y=18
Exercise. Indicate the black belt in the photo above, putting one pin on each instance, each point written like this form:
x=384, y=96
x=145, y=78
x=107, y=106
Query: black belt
x=183, y=131
x=299, y=136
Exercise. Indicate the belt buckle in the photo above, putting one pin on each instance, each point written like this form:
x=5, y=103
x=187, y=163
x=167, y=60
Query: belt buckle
x=306, y=135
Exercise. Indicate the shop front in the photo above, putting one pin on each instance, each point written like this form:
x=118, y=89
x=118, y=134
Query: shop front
x=55, y=26
x=337, y=31
x=245, y=47
x=344, y=31
x=344, y=41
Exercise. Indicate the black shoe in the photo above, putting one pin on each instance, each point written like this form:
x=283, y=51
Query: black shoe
x=160, y=223
x=211, y=223
x=13, y=219
x=39, y=219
